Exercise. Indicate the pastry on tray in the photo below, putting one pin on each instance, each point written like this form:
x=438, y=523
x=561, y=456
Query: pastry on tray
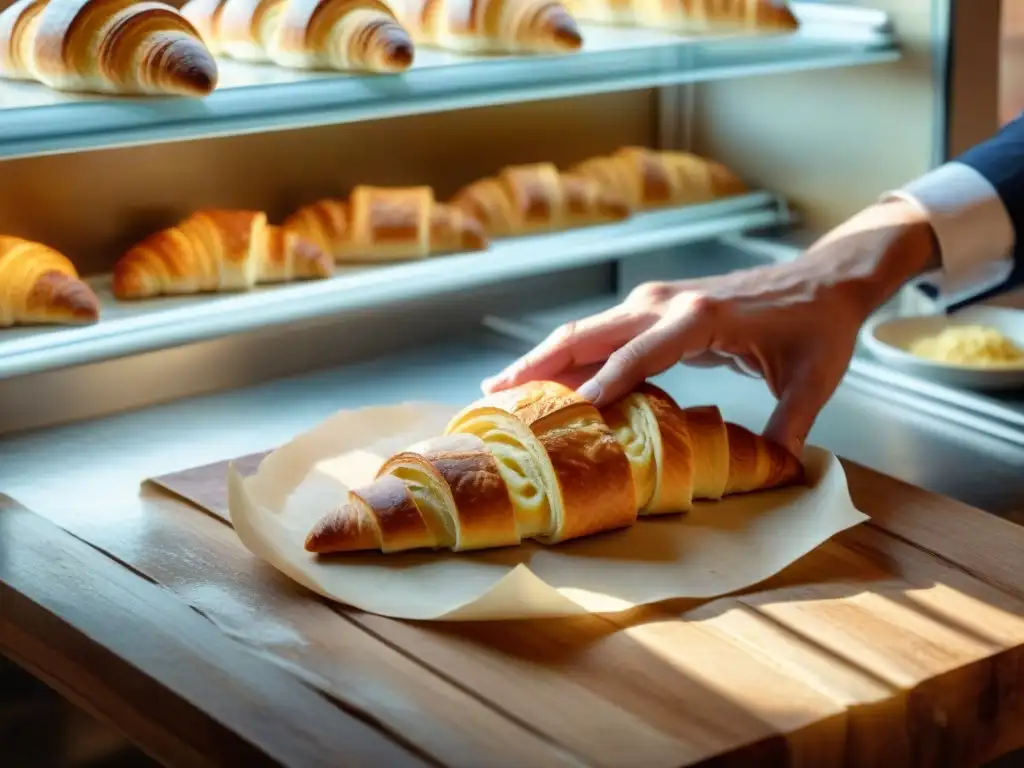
x=40, y=286
x=105, y=46
x=217, y=250
x=540, y=462
x=527, y=199
x=348, y=35
x=714, y=17
x=648, y=178
x=490, y=26
x=387, y=224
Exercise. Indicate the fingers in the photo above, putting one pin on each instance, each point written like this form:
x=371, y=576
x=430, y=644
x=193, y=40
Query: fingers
x=573, y=346
x=743, y=365
x=798, y=408
x=574, y=377
x=650, y=353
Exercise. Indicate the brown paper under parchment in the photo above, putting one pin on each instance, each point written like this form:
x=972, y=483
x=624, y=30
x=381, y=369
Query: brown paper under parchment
x=207, y=486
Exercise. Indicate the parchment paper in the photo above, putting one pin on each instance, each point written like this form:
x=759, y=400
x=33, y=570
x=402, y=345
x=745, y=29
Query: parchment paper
x=717, y=548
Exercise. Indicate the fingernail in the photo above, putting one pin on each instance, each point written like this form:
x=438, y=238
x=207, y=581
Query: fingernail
x=488, y=384
x=590, y=390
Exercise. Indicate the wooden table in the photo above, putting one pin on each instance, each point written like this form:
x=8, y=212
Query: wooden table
x=897, y=643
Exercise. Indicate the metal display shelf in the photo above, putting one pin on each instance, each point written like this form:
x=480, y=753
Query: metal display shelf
x=127, y=328
x=250, y=99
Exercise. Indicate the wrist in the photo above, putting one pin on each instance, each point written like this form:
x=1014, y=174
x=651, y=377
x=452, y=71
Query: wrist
x=914, y=248
x=877, y=251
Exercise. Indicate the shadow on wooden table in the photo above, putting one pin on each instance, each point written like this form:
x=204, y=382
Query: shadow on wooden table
x=914, y=656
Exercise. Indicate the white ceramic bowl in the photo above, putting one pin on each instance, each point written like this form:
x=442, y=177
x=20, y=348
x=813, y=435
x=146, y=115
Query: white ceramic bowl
x=889, y=341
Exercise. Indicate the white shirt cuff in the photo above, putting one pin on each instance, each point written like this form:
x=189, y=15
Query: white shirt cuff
x=974, y=231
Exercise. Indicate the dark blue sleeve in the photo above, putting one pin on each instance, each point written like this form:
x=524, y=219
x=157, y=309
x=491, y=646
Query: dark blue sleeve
x=1001, y=161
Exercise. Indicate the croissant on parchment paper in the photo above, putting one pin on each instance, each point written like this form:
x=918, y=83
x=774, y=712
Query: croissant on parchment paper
x=690, y=16
x=217, y=250
x=387, y=224
x=526, y=199
x=105, y=46
x=540, y=462
x=647, y=178
x=39, y=285
x=353, y=35
x=490, y=26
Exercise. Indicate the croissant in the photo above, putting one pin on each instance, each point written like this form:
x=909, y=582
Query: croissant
x=356, y=35
x=490, y=26
x=540, y=462
x=387, y=224
x=690, y=16
x=216, y=250
x=525, y=199
x=648, y=179
x=105, y=46
x=40, y=285
x=289, y=256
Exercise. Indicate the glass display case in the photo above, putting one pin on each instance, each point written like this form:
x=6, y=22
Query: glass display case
x=91, y=175
x=863, y=97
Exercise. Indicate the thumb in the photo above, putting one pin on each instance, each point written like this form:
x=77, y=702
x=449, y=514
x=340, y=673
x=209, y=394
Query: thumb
x=799, y=405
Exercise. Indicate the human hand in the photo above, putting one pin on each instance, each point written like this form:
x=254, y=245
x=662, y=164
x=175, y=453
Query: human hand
x=795, y=324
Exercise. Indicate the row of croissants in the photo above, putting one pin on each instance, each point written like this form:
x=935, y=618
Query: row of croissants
x=139, y=47
x=540, y=462
x=235, y=250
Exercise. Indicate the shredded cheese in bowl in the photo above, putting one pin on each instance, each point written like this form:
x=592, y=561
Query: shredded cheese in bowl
x=970, y=345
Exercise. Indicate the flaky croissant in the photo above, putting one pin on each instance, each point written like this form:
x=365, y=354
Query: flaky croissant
x=39, y=285
x=387, y=224
x=647, y=178
x=490, y=26
x=540, y=462
x=690, y=16
x=105, y=46
x=356, y=35
x=526, y=199
x=216, y=250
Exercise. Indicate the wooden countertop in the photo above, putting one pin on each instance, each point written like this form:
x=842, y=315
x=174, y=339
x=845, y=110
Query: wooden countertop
x=899, y=642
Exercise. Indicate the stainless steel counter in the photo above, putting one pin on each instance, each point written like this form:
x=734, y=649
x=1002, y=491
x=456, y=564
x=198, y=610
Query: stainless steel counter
x=84, y=468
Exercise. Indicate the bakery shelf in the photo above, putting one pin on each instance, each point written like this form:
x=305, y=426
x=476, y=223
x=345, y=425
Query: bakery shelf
x=251, y=99
x=127, y=328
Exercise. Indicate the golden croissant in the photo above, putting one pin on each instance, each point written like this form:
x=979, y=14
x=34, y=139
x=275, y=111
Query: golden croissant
x=355, y=35
x=647, y=178
x=216, y=250
x=387, y=224
x=526, y=199
x=690, y=16
x=40, y=285
x=490, y=26
x=540, y=462
x=105, y=46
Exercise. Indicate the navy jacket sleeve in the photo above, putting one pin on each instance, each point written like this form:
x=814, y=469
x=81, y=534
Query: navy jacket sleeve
x=1001, y=161
x=975, y=204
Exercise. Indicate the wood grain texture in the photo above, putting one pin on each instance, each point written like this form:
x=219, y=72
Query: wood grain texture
x=900, y=630
x=127, y=651
x=897, y=642
x=200, y=560
x=840, y=660
x=987, y=547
